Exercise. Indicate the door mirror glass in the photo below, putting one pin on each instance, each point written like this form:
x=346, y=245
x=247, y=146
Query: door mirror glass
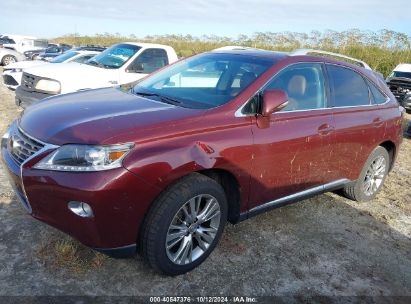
x=136, y=67
x=273, y=101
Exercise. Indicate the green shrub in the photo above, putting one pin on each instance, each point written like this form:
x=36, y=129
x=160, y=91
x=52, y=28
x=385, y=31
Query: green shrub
x=382, y=50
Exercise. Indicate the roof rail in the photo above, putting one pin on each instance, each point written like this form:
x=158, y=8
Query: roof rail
x=233, y=48
x=299, y=52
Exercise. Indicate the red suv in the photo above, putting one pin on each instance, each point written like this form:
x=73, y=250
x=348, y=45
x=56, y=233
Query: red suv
x=217, y=137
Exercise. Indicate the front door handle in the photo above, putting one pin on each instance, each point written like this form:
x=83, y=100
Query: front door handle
x=325, y=129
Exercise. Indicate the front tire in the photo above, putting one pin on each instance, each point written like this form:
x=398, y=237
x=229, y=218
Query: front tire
x=184, y=225
x=8, y=59
x=372, y=177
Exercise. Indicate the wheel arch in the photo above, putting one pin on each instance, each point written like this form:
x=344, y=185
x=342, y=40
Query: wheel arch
x=392, y=151
x=5, y=55
x=231, y=187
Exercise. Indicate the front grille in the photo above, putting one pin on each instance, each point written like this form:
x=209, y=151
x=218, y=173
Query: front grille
x=29, y=81
x=21, y=146
x=399, y=88
x=8, y=80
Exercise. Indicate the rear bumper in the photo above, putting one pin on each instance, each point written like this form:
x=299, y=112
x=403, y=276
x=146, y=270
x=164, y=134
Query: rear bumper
x=25, y=98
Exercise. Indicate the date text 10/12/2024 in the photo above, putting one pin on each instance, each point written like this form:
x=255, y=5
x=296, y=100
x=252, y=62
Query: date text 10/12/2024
x=204, y=299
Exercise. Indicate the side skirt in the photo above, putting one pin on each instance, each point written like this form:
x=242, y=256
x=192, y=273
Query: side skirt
x=293, y=198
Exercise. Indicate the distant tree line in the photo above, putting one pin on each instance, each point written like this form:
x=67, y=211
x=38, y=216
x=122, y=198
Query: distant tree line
x=382, y=50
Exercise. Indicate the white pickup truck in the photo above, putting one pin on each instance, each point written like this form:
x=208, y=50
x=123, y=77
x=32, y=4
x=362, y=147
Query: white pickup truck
x=122, y=63
x=13, y=72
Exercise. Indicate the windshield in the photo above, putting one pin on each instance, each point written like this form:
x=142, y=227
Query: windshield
x=115, y=56
x=204, y=81
x=64, y=57
x=401, y=74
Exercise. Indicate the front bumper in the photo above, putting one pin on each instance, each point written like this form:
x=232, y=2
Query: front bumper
x=119, y=200
x=25, y=98
x=406, y=102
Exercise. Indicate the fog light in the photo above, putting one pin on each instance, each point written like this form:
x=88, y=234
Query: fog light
x=81, y=209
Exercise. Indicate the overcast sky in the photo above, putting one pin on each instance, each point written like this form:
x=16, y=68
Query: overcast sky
x=51, y=18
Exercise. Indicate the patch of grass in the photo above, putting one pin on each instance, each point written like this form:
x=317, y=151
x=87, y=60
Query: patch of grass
x=70, y=255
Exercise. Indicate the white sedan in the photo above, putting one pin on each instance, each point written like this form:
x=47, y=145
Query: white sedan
x=13, y=72
x=8, y=56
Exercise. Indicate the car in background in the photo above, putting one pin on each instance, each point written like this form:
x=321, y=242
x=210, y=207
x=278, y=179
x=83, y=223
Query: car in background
x=25, y=43
x=6, y=40
x=399, y=82
x=8, y=56
x=53, y=52
x=216, y=137
x=121, y=63
x=47, y=56
x=12, y=73
x=30, y=53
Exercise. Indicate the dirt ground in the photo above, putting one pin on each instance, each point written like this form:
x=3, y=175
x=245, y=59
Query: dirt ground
x=327, y=245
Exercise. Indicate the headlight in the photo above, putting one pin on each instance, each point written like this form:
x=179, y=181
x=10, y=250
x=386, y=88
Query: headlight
x=46, y=85
x=16, y=70
x=84, y=158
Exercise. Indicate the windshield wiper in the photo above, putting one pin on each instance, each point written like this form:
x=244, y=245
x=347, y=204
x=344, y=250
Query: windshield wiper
x=162, y=98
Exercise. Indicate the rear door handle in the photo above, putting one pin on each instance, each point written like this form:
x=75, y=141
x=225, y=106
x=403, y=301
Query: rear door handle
x=325, y=129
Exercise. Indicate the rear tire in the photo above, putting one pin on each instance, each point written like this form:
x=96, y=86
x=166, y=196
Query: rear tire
x=372, y=177
x=184, y=225
x=8, y=59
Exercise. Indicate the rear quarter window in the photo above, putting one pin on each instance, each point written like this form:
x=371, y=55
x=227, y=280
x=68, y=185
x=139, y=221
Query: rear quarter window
x=377, y=96
x=348, y=88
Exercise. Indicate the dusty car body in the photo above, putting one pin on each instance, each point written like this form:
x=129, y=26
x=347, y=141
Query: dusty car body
x=167, y=163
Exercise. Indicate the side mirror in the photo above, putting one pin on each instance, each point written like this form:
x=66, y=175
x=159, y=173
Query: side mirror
x=136, y=68
x=273, y=101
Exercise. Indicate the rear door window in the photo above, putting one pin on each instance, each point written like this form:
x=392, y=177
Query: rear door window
x=348, y=87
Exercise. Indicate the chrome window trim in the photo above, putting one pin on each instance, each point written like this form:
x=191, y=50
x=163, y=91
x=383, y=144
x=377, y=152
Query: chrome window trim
x=367, y=78
x=239, y=112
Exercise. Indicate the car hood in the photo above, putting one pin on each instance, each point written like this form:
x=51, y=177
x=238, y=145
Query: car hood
x=24, y=64
x=61, y=71
x=75, y=76
x=398, y=80
x=102, y=116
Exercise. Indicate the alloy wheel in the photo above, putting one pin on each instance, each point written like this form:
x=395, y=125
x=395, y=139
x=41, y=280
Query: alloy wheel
x=193, y=229
x=8, y=60
x=374, y=176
